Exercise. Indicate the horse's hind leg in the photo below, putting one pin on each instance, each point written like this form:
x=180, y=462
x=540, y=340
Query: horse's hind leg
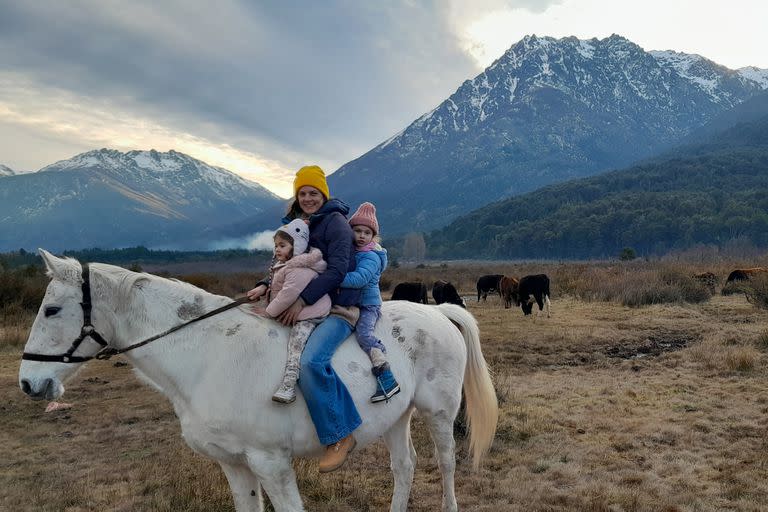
x=440, y=426
x=246, y=489
x=402, y=455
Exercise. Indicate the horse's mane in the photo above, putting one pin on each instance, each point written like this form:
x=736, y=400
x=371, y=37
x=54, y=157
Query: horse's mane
x=127, y=282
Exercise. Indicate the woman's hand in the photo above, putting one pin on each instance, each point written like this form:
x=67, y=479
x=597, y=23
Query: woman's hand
x=257, y=292
x=289, y=316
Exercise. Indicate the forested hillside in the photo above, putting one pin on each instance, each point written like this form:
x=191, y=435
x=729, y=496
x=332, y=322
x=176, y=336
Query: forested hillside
x=707, y=194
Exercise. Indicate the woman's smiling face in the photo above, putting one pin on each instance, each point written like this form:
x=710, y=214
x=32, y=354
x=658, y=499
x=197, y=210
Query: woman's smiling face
x=310, y=199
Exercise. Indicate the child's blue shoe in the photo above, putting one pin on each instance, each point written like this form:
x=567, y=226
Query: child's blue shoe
x=386, y=385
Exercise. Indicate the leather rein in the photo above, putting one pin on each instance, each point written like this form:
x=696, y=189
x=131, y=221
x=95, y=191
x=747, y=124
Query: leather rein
x=89, y=331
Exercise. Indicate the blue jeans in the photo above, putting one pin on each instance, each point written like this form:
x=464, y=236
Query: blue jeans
x=365, y=326
x=330, y=404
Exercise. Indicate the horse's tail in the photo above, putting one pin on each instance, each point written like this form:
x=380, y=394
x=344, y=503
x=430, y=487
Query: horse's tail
x=482, y=411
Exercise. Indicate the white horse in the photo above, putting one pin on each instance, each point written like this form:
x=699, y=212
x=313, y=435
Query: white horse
x=220, y=373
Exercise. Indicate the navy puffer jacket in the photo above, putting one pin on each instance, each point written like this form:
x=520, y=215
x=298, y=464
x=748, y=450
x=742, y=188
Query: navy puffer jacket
x=330, y=232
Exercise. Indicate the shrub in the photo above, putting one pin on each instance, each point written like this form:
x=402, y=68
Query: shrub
x=627, y=254
x=756, y=291
x=636, y=287
x=24, y=286
x=762, y=340
x=742, y=359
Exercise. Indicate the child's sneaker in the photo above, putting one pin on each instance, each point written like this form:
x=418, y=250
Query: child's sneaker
x=285, y=394
x=386, y=385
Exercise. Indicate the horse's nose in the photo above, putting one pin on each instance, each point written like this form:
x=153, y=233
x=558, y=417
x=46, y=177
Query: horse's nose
x=44, y=391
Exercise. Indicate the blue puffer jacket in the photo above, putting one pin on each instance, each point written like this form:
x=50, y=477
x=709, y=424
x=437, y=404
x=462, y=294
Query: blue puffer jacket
x=370, y=265
x=330, y=232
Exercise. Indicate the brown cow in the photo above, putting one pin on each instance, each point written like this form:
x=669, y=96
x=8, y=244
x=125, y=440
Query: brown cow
x=740, y=274
x=744, y=274
x=508, y=287
x=708, y=279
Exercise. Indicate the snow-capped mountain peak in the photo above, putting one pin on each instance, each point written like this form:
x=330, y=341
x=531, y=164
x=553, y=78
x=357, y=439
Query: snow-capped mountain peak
x=170, y=168
x=703, y=73
x=594, y=72
x=757, y=75
x=546, y=110
x=6, y=171
x=138, y=197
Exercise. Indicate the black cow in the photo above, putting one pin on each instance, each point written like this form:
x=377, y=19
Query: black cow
x=532, y=289
x=487, y=284
x=443, y=291
x=414, y=292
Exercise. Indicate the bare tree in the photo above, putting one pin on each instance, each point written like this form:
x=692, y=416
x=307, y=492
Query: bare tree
x=414, y=247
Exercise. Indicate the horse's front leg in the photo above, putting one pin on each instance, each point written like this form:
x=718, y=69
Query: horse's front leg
x=275, y=472
x=403, y=461
x=246, y=489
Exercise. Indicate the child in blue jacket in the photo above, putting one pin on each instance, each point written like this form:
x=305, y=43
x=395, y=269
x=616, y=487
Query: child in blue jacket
x=371, y=261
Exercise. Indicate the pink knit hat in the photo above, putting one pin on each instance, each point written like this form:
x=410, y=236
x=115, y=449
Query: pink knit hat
x=365, y=216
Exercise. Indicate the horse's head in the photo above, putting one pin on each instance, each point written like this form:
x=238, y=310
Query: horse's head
x=58, y=324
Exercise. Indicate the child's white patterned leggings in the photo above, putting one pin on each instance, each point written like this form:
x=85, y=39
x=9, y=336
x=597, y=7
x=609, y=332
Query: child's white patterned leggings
x=296, y=340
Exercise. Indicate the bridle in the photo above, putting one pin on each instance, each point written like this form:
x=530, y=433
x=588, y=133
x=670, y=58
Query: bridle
x=89, y=331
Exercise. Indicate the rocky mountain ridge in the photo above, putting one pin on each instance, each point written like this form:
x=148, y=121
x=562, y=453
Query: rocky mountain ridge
x=546, y=111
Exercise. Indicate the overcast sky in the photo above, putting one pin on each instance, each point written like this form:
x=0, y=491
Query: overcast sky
x=262, y=88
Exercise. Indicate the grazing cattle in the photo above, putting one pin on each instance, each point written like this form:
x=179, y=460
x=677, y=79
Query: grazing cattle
x=708, y=279
x=487, y=284
x=443, y=291
x=508, y=287
x=414, y=292
x=532, y=289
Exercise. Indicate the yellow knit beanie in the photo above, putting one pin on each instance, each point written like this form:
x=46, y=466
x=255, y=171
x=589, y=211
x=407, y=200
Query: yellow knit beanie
x=313, y=176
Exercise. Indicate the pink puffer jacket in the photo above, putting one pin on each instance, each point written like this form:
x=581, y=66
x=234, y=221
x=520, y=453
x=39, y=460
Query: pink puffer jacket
x=290, y=280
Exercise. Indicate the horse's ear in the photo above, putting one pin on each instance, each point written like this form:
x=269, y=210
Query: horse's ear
x=49, y=259
x=58, y=268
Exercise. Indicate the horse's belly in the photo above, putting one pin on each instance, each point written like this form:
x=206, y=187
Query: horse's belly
x=211, y=446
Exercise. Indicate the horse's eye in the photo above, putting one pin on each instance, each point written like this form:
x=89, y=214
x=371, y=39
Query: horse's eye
x=51, y=310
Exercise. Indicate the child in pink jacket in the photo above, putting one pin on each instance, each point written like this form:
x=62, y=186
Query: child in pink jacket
x=293, y=270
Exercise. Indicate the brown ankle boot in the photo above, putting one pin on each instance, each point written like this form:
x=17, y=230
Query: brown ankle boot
x=336, y=454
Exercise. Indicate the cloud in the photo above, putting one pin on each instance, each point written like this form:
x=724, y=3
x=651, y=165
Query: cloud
x=52, y=122
x=262, y=241
x=321, y=82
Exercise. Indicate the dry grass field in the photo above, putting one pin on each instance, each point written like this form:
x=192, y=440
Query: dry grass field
x=603, y=407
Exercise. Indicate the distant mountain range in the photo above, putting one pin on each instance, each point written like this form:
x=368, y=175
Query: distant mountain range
x=549, y=110
x=106, y=198
x=711, y=193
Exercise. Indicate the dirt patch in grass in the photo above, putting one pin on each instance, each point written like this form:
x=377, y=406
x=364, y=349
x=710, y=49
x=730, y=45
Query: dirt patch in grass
x=653, y=345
